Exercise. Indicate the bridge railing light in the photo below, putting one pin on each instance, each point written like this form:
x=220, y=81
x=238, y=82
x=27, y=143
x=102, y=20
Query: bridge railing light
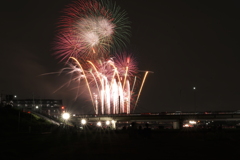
x=113, y=122
x=99, y=124
x=83, y=121
x=107, y=122
x=192, y=122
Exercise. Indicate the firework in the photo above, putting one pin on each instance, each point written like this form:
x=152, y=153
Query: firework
x=89, y=32
x=109, y=87
x=67, y=45
x=98, y=27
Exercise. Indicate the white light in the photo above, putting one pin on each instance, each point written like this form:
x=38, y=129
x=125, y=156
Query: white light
x=37, y=107
x=192, y=122
x=107, y=122
x=113, y=121
x=83, y=121
x=99, y=124
x=194, y=88
x=66, y=116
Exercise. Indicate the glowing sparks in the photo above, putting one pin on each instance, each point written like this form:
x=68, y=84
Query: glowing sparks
x=82, y=71
x=89, y=31
x=111, y=97
x=95, y=27
x=146, y=73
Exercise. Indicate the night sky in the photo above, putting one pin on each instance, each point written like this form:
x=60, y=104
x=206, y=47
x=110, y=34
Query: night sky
x=184, y=43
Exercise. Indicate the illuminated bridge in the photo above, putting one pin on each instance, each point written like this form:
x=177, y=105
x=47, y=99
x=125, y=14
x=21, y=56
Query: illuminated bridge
x=175, y=118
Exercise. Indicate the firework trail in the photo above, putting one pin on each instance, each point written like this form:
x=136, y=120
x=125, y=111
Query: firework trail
x=89, y=32
x=109, y=85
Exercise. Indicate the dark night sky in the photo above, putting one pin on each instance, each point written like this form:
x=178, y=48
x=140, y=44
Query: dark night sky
x=185, y=43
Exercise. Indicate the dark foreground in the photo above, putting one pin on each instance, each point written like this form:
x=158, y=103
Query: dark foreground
x=128, y=144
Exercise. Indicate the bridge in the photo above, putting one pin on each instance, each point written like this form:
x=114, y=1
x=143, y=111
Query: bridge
x=130, y=118
x=175, y=118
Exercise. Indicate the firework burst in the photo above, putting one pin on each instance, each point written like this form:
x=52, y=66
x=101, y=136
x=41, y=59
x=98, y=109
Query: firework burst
x=99, y=27
x=89, y=32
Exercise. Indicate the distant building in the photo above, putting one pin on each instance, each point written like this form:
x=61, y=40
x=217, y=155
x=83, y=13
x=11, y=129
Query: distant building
x=50, y=107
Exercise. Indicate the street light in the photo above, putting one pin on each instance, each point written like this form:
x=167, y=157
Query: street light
x=83, y=121
x=99, y=124
x=15, y=103
x=194, y=90
x=192, y=122
x=113, y=124
x=107, y=123
x=65, y=116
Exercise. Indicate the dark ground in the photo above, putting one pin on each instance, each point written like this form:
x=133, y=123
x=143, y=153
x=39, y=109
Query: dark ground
x=156, y=144
x=24, y=136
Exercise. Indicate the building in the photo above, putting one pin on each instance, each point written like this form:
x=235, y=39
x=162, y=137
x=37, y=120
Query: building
x=50, y=107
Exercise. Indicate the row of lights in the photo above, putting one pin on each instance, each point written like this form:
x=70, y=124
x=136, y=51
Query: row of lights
x=83, y=122
x=66, y=116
